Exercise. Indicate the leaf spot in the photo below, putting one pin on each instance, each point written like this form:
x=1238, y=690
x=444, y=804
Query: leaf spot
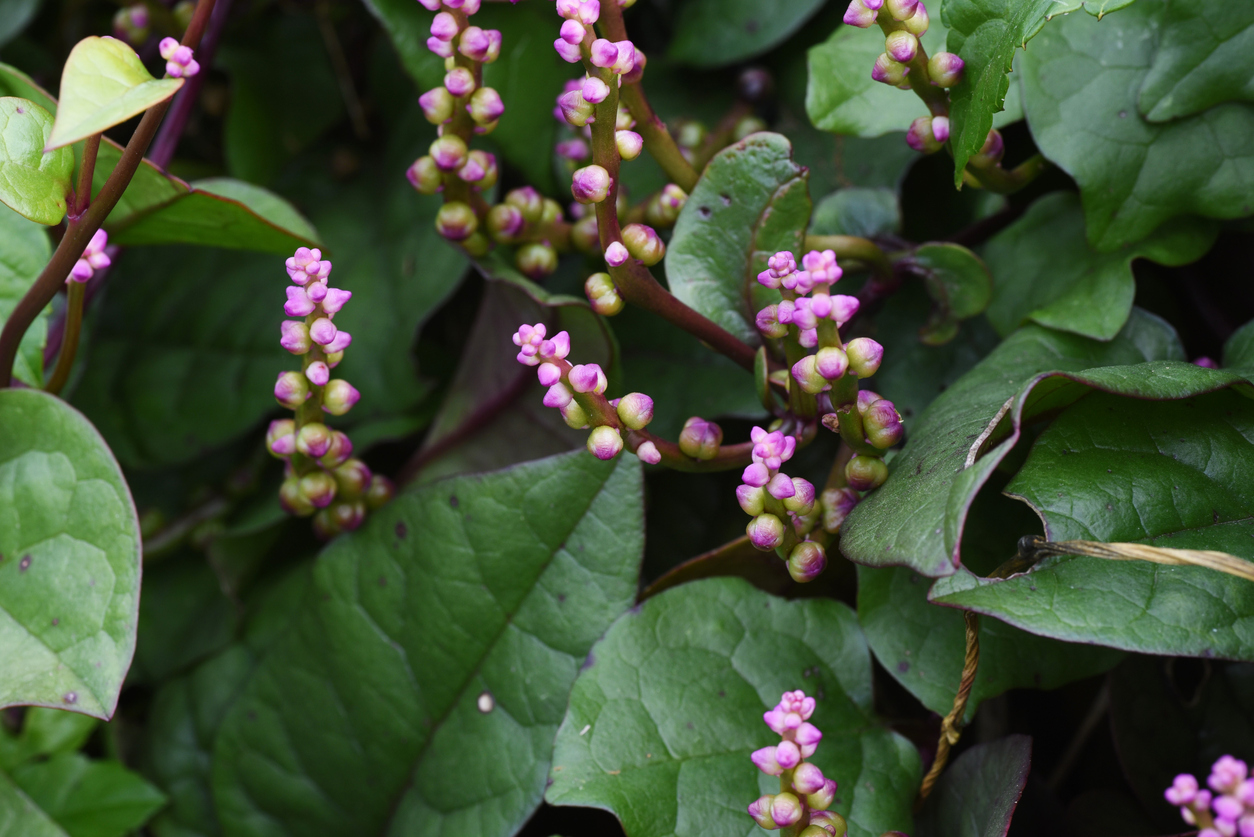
x=903, y=666
x=56, y=621
x=402, y=531
x=587, y=727
x=486, y=703
x=453, y=501
x=24, y=564
x=704, y=212
x=70, y=697
x=727, y=201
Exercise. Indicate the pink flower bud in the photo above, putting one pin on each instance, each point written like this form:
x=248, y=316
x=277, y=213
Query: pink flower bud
x=291, y=389
x=437, y=105
x=808, y=779
x=341, y=449
x=604, y=53
x=449, y=152
x=575, y=109
x=882, y=424
x=859, y=15
x=575, y=150
x=756, y=475
x=945, y=69
x=485, y=106
x=760, y=810
x=940, y=128
x=573, y=32
x=298, y=302
x=339, y=397
x=648, y=453
x=322, y=331
x=806, y=561
x=635, y=410
x=831, y=362
x=700, y=439
x=459, y=81
x=866, y=472
x=765, y=761
x=780, y=487
x=843, y=308
x=558, y=396
x=921, y=136
x=557, y=348
x=605, y=442
x=294, y=336
x=570, y=53
x=802, y=499
x=638, y=62
x=917, y=23
x=751, y=499
x=888, y=71
x=594, y=90
x=316, y=291
x=424, y=175
x=805, y=372
x=901, y=46
x=335, y=299
x=643, y=243
x=318, y=487
x=992, y=151
x=314, y=439
x=629, y=143
x=549, y=374
x=616, y=254
x=901, y=9
x=474, y=43
x=587, y=377
x=865, y=356
x=590, y=184
x=352, y=478
x=772, y=449
x=281, y=438
x=821, y=800
x=456, y=221
x=836, y=504
x=1183, y=790
x=339, y=343
x=626, y=60
x=589, y=12
x=444, y=27
x=318, y=373
x=1227, y=773
x=444, y=49
x=786, y=809
x=766, y=531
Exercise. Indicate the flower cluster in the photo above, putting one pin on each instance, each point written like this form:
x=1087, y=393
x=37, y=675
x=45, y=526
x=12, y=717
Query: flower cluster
x=805, y=793
x=130, y=24
x=579, y=392
x=904, y=22
x=321, y=475
x=459, y=107
x=811, y=315
x=1227, y=809
x=179, y=62
x=783, y=508
x=94, y=258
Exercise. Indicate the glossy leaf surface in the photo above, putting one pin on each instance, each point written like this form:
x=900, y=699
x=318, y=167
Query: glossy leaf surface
x=751, y=202
x=33, y=183
x=977, y=794
x=669, y=708
x=1205, y=56
x=70, y=565
x=395, y=704
x=715, y=33
x=24, y=250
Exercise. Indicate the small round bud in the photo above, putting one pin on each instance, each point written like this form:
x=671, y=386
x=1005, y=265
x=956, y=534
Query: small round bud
x=339, y=397
x=807, y=778
x=603, y=295
x=882, y=424
x=476, y=245
x=590, y=184
x=691, y=134
x=528, y=201
x=352, y=478
x=866, y=472
x=291, y=389
x=786, y=809
x=575, y=109
x=605, y=442
x=380, y=491
x=318, y=487
x=424, y=175
x=294, y=336
x=594, y=90
x=836, y=504
x=831, y=362
x=505, y=223
x=805, y=372
x=459, y=81
x=821, y=800
x=643, y=243
x=456, y=221
x=859, y=15
x=130, y=24
x=888, y=71
x=340, y=450
x=748, y=125
x=664, y=209
x=768, y=322
x=449, y=152
x=281, y=438
x=616, y=254
x=801, y=500
x=917, y=23
x=584, y=235
x=751, y=498
x=921, y=138
x=901, y=9
x=630, y=144
x=805, y=562
x=766, y=532
x=574, y=415
x=901, y=46
x=437, y=105
x=635, y=409
x=864, y=356
x=991, y=152
x=551, y=212
x=945, y=69
x=760, y=810
x=314, y=439
x=485, y=106
x=536, y=260
x=292, y=500
x=700, y=439
x=479, y=170
x=444, y=27
x=648, y=453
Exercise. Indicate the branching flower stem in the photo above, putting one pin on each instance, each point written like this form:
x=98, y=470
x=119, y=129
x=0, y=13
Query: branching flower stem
x=81, y=230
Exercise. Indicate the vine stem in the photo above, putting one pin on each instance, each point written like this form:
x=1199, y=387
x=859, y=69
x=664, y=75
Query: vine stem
x=951, y=726
x=80, y=230
x=852, y=247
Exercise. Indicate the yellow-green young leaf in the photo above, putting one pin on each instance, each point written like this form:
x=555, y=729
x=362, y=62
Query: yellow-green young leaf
x=104, y=84
x=33, y=183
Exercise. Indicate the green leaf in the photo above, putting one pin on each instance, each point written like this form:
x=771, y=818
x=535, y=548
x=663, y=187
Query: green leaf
x=183, y=617
x=958, y=282
x=32, y=182
x=45, y=732
x=21, y=816
x=1239, y=350
x=922, y=645
x=715, y=33
x=1080, y=82
x=750, y=202
x=977, y=794
x=89, y=798
x=104, y=84
x=474, y=431
x=860, y=212
x=1203, y=59
x=1163, y=726
x=986, y=34
x=841, y=96
x=1045, y=271
x=1174, y=474
x=216, y=212
x=669, y=707
x=24, y=250
x=470, y=594
x=15, y=15
x=916, y=518
x=69, y=575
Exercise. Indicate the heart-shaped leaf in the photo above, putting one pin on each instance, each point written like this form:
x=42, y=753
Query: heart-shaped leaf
x=958, y=282
x=1177, y=474
x=88, y=798
x=854, y=211
x=103, y=83
x=977, y=794
x=668, y=708
x=32, y=182
x=1044, y=269
x=70, y=565
x=1205, y=56
x=1080, y=83
x=451, y=626
x=751, y=201
x=715, y=33
x=24, y=250
x=916, y=518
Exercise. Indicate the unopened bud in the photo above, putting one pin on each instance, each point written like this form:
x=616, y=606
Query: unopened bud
x=425, y=176
x=664, y=209
x=821, y=800
x=339, y=397
x=945, y=69
x=882, y=424
x=575, y=109
x=786, y=809
x=528, y=201
x=590, y=184
x=866, y=472
x=574, y=415
x=859, y=15
x=806, y=561
x=700, y=439
x=768, y=322
x=917, y=23
x=837, y=503
x=807, y=778
x=338, y=452
x=314, y=439
x=485, y=106
x=630, y=144
x=352, y=478
x=437, y=105
x=130, y=24
x=536, y=260
x=831, y=362
x=603, y=295
x=921, y=137
x=805, y=372
x=991, y=152
x=292, y=500
x=760, y=810
x=281, y=438
x=635, y=409
x=294, y=336
x=291, y=389
x=460, y=81
x=888, y=71
x=380, y=491
x=648, y=453
x=766, y=532
x=505, y=222
x=751, y=498
x=456, y=221
x=605, y=442
x=584, y=235
x=901, y=9
x=318, y=487
x=801, y=500
x=449, y=152
x=643, y=243
x=901, y=46
x=864, y=356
